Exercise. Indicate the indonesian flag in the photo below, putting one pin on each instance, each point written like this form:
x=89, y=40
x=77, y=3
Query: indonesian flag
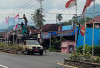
x=15, y=27
x=60, y=28
x=7, y=18
x=70, y=3
x=88, y=2
x=16, y=16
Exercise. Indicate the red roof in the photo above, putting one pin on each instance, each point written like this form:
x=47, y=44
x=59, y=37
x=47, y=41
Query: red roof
x=50, y=27
x=96, y=20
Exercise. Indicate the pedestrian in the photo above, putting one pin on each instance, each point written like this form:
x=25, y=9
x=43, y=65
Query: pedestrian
x=45, y=49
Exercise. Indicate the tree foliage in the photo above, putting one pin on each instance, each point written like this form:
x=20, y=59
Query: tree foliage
x=37, y=18
x=76, y=20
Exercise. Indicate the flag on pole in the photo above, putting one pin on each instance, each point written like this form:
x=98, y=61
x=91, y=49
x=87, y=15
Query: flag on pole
x=16, y=16
x=88, y=2
x=15, y=27
x=7, y=18
x=70, y=3
x=72, y=25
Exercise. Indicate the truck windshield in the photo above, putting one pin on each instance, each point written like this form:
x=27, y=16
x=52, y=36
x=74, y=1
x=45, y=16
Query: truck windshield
x=32, y=42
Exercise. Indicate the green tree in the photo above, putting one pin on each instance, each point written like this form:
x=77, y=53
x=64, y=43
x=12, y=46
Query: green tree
x=78, y=21
x=37, y=18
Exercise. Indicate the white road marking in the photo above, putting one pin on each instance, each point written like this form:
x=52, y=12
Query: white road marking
x=3, y=66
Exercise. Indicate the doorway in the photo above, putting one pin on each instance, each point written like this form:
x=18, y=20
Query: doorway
x=71, y=48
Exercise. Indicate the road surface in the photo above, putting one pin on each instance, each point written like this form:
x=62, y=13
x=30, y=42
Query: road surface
x=48, y=60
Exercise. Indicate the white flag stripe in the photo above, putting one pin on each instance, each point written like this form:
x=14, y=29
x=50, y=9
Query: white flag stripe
x=72, y=4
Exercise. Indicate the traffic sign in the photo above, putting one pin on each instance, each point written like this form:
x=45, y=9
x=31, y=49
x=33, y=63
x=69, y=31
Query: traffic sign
x=82, y=30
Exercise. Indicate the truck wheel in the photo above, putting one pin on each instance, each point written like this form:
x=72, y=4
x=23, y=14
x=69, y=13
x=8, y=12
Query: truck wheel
x=41, y=53
x=26, y=52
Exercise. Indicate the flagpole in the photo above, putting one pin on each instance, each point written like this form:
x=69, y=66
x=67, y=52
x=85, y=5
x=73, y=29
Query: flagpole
x=7, y=29
x=85, y=32
x=16, y=28
x=7, y=33
x=93, y=29
x=13, y=32
x=76, y=27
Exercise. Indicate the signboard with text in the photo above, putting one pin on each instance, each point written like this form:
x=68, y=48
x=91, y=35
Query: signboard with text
x=47, y=35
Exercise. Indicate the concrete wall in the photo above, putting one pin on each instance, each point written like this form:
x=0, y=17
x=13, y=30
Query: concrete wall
x=88, y=38
x=65, y=46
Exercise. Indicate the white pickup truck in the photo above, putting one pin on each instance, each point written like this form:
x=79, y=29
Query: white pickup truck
x=32, y=46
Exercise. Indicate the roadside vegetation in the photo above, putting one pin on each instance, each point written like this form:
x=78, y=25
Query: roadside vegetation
x=10, y=48
x=79, y=56
x=55, y=44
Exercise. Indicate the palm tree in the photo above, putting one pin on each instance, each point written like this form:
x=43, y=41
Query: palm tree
x=38, y=18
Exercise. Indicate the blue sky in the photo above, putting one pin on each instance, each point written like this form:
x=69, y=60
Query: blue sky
x=13, y=7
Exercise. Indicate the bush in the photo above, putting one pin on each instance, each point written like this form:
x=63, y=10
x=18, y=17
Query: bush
x=97, y=59
x=55, y=44
x=87, y=56
x=89, y=49
x=96, y=50
x=80, y=49
x=16, y=48
x=52, y=49
x=75, y=57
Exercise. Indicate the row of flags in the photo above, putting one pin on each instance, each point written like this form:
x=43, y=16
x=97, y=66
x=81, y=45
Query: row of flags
x=16, y=17
x=72, y=3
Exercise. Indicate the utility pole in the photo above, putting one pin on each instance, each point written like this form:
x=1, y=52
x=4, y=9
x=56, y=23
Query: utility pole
x=56, y=18
x=41, y=10
x=93, y=30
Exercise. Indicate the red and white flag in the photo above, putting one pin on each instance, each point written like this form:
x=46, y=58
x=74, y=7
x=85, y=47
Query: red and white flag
x=60, y=28
x=7, y=19
x=70, y=3
x=15, y=27
x=82, y=30
x=17, y=16
x=88, y=2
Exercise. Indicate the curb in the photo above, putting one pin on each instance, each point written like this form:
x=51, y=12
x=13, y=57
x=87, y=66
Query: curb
x=6, y=53
x=66, y=65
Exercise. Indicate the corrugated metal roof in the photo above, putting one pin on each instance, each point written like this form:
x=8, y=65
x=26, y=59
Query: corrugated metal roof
x=95, y=20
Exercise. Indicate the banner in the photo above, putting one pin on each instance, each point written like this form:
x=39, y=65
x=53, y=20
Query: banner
x=46, y=35
x=66, y=33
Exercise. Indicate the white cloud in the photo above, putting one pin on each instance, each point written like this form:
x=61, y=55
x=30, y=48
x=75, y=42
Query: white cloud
x=12, y=7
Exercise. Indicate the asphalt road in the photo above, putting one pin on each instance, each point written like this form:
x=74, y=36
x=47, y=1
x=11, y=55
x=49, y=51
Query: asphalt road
x=48, y=60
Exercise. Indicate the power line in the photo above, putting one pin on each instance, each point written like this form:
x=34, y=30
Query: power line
x=66, y=14
x=29, y=2
x=35, y=5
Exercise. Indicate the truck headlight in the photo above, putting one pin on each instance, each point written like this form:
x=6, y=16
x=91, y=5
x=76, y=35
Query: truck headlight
x=30, y=47
x=41, y=47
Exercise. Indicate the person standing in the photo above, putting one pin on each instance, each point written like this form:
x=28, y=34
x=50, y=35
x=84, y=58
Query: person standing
x=25, y=19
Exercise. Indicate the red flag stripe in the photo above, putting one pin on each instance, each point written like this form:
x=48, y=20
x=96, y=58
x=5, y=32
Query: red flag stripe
x=16, y=16
x=7, y=18
x=70, y=3
x=88, y=2
x=15, y=27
